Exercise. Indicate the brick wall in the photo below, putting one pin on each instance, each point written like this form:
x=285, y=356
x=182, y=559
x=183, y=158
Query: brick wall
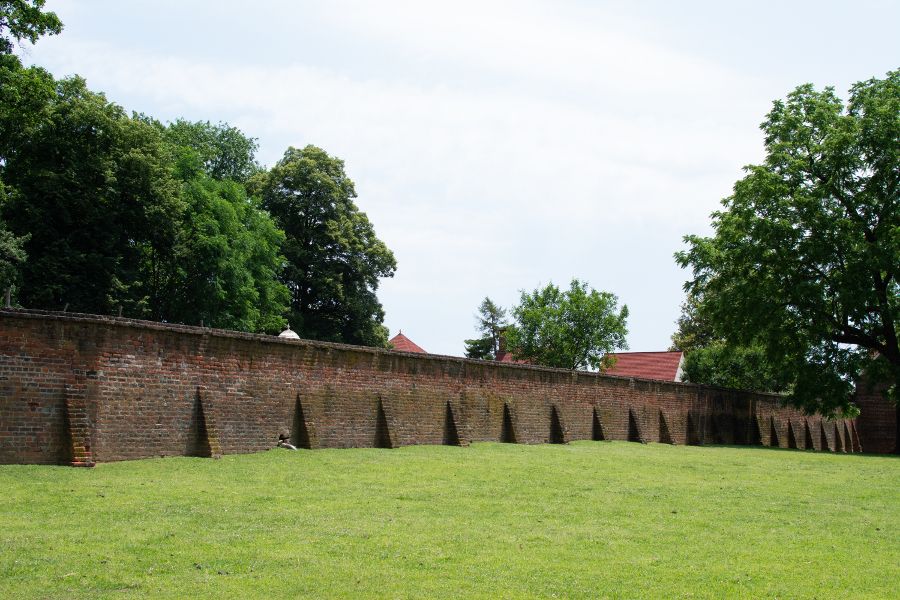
x=78, y=389
x=879, y=420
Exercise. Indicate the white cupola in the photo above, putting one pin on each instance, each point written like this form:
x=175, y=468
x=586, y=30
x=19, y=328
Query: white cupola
x=289, y=334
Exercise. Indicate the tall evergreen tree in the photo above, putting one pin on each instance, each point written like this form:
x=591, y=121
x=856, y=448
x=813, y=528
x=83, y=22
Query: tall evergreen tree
x=491, y=322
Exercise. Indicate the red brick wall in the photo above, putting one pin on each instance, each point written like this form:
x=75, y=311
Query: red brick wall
x=878, y=422
x=79, y=388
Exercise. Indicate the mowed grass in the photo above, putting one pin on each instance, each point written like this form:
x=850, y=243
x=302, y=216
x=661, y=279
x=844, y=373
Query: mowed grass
x=589, y=520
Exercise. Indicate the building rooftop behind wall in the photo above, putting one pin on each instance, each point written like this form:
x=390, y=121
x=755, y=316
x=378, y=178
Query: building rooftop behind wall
x=660, y=366
x=404, y=344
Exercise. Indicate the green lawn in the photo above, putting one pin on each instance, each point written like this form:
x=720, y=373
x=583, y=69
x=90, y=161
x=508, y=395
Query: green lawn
x=590, y=519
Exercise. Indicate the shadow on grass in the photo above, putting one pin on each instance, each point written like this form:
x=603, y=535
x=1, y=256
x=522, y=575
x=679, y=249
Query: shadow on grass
x=803, y=450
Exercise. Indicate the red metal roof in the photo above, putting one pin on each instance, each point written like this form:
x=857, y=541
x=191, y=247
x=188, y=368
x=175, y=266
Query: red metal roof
x=404, y=344
x=661, y=366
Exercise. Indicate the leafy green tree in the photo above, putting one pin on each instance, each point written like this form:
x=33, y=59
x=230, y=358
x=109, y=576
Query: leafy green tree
x=694, y=331
x=24, y=20
x=805, y=255
x=25, y=102
x=570, y=329
x=736, y=367
x=333, y=257
x=225, y=152
x=710, y=359
x=94, y=191
x=12, y=256
x=113, y=213
x=25, y=95
x=491, y=320
x=224, y=271
x=12, y=253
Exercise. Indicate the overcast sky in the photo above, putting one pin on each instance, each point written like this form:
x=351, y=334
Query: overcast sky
x=495, y=146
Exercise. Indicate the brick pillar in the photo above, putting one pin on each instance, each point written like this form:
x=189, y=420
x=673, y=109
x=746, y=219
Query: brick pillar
x=80, y=430
x=878, y=421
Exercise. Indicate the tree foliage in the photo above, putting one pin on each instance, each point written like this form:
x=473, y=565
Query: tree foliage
x=224, y=151
x=113, y=213
x=693, y=329
x=804, y=257
x=12, y=257
x=710, y=359
x=227, y=259
x=491, y=323
x=102, y=211
x=25, y=20
x=333, y=259
x=93, y=190
x=571, y=329
x=744, y=367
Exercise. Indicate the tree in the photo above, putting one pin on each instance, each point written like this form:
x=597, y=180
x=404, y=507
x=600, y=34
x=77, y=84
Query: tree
x=113, y=213
x=694, y=330
x=25, y=103
x=26, y=93
x=710, y=359
x=736, y=367
x=93, y=190
x=804, y=257
x=225, y=152
x=333, y=259
x=12, y=256
x=225, y=266
x=24, y=20
x=491, y=320
x=570, y=329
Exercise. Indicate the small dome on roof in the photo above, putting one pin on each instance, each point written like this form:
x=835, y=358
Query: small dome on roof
x=289, y=334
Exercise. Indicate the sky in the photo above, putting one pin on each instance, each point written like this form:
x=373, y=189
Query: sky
x=495, y=146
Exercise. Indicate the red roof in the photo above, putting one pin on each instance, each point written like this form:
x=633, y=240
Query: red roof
x=404, y=344
x=661, y=366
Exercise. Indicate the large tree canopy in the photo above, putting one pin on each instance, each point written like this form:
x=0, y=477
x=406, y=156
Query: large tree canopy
x=92, y=189
x=114, y=212
x=227, y=257
x=804, y=257
x=17, y=115
x=571, y=329
x=333, y=257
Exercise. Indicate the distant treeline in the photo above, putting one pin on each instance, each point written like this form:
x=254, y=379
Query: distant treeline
x=102, y=211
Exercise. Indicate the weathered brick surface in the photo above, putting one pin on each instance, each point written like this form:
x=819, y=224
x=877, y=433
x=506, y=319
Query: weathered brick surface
x=80, y=388
x=878, y=425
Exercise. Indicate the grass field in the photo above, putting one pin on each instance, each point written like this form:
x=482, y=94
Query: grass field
x=590, y=519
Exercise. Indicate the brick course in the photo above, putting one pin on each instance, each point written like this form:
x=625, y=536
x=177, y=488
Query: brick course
x=75, y=389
